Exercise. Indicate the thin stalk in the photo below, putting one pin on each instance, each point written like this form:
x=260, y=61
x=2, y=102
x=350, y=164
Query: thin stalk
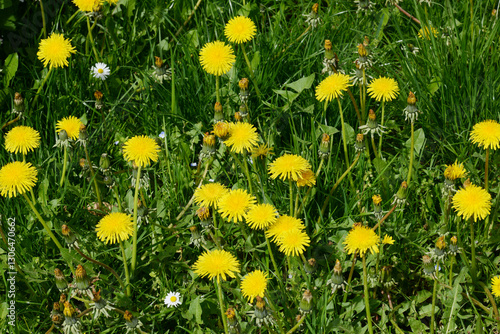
x=452, y=260
x=473, y=251
x=221, y=305
x=363, y=96
x=367, y=297
x=217, y=86
x=252, y=76
x=296, y=203
x=96, y=54
x=412, y=154
x=179, y=216
x=136, y=198
x=275, y=310
x=41, y=86
x=247, y=172
x=43, y=20
x=344, y=140
x=276, y=269
x=297, y=325
x=117, y=196
x=492, y=301
x=351, y=272
x=385, y=217
x=324, y=111
x=374, y=146
x=381, y=134
x=291, y=196
x=45, y=226
x=65, y=162
x=486, y=169
x=174, y=101
x=353, y=100
x=72, y=17
x=125, y=267
x=434, y=290
x=97, y=192
x=304, y=200
x=407, y=14
x=307, y=278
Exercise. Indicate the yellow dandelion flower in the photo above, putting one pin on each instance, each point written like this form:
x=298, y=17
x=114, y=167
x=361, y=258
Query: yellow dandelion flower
x=71, y=125
x=55, y=50
x=234, y=205
x=254, y=284
x=332, y=87
x=361, y=238
x=240, y=29
x=307, y=178
x=288, y=166
x=293, y=242
x=221, y=129
x=242, y=137
x=486, y=134
x=17, y=178
x=87, y=5
x=217, y=58
x=455, y=171
x=261, y=216
x=472, y=201
x=141, y=150
x=115, y=227
x=209, y=194
x=495, y=286
x=283, y=224
x=217, y=263
x=385, y=89
x=425, y=33
x=261, y=151
x=22, y=139
x=388, y=240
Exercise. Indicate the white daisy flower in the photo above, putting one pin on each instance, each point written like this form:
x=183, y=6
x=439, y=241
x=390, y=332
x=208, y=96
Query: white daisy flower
x=100, y=71
x=173, y=299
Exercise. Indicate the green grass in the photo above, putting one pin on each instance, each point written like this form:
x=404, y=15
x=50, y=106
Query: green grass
x=455, y=77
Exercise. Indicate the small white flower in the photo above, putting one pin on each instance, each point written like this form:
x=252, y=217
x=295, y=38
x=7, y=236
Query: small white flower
x=100, y=71
x=173, y=299
x=162, y=134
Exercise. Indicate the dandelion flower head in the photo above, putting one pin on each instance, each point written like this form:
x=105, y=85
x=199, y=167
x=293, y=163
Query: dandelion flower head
x=425, y=33
x=293, y=242
x=288, y=166
x=283, y=224
x=261, y=216
x=209, y=194
x=388, y=240
x=455, y=171
x=234, y=205
x=115, y=228
x=141, y=150
x=216, y=264
x=87, y=5
x=495, y=286
x=486, y=134
x=361, y=238
x=332, y=87
x=242, y=137
x=472, y=201
x=254, y=284
x=217, y=58
x=17, y=178
x=22, y=139
x=307, y=178
x=55, y=50
x=71, y=125
x=383, y=89
x=240, y=29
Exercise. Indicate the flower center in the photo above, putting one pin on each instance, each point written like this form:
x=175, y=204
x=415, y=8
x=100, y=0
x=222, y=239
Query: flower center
x=100, y=70
x=173, y=299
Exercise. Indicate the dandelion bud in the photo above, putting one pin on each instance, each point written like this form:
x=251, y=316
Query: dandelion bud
x=328, y=49
x=218, y=114
x=467, y=183
x=310, y=266
x=494, y=12
x=63, y=135
x=104, y=162
x=83, y=136
x=208, y=147
x=221, y=130
x=56, y=307
x=441, y=243
x=453, y=245
x=411, y=111
x=324, y=146
x=336, y=281
x=366, y=41
x=19, y=105
x=359, y=144
x=440, y=250
x=260, y=308
x=69, y=310
x=386, y=279
x=131, y=322
x=57, y=319
x=61, y=282
x=243, y=84
x=203, y=213
x=243, y=111
x=400, y=197
x=428, y=267
x=315, y=8
x=305, y=304
x=68, y=235
x=158, y=62
x=377, y=200
x=98, y=99
x=377, y=207
x=371, y=115
x=196, y=237
x=411, y=98
x=362, y=51
x=81, y=278
x=238, y=117
x=231, y=317
x=62, y=299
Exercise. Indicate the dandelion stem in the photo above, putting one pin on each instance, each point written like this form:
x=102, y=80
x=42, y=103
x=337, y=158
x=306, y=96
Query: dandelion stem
x=92, y=40
x=385, y=217
x=45, y=226
x=217, y=85
x=362, y=92
x=367, y=296
x=407, y=14
x=344, y=140
x=412, y=154
x=179, y=216
x=136, y=199
x=381, y=134
x=41, y=86
x=252, y=76
x=291, y=196
x=374, y=146
x=43, y=20
x=434, y=290
x=174, y=101
x=452, y=260
x=307, y=278
x=276, y=269
x=96, y=186
x=247, y=172
x=125, y=267
x=117, y=196
x=344, y=299
x=65, y=162
x=297, y=325
x=473, y=251
x=221, y=305
x=486, y=169
x=492, y=301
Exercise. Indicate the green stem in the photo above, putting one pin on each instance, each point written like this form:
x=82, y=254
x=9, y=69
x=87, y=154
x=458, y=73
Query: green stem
x=136, y=198
x=452, y=260
x=291, y=196
x=247, y=172
x=174, y=101
x=92, y=40
x=351, y=272
x=412, y=154
x=374, y=146
x=217, y=86
x=221, y=305
x=41, y=86
x=117, y=196
x=65, y=162
x=344, y=140
x=486, y=169
x=125, y=267
x=252, y=76
x=434, y=290
x=363, y=97
x=96, y=186
x=367, y=297
x=473, y=251
x=297, y=325
x=492, y=301
x=43, y=20
x=381, y=134
x=45, y=226
x=296, y=206
x=276, y=269
x=307, y=278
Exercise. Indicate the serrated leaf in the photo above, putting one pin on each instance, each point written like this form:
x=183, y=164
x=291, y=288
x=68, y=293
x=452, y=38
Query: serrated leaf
x=452, y=305
x=302, y=83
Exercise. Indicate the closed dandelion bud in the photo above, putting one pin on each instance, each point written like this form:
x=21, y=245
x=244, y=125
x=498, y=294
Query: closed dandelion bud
x=83, y=136
x=428, y=266
x=315, y=8
x=109, y=181
x=68, y=235
x=313, y=18
x=131, y=322
x=81, y=278
x=98, y=99
x=238, y=117
x=231, y=317
x=104, y=162
x=453, y=249
x=158, y=62
x=243, y=111
x=19, y=105
x=63, y=135
x=411, y=99
x=208, y=147
x=221, y=130
x=337, y=280
x=324, y=146
x=400, y=197
x=305, y=304
x=377, y=206
x=196, y=237
x=440, y=250
x=260, y=308
x=61, y=282
x=310, y=266
x=56, y=308
x=387, y=280
x=366, y=41
x=372, y=127
x=372, y=277
x=362, y=52
x=359, y=144
x=69, y=310
x=57, y=319
x=243, y=84
x=411, y=111
x=62, y=300
x=218, y=114
x=328, y=49
x=203, y=213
